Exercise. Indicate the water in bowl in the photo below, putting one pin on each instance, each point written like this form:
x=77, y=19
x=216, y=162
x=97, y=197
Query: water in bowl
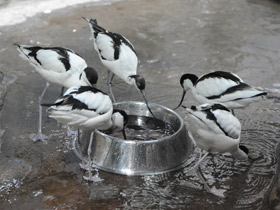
x=144, y=128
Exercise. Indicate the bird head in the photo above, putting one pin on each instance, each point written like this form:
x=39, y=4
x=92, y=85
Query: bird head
x=90, y=76
x=186, y=81
x=119, y=120
x=140, y=84
x=138, y=81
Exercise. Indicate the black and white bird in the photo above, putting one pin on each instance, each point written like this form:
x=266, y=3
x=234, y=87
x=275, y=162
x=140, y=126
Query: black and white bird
x=220, y=87
x=216, y=130
x=57, y=65
x=118, y=55
x=87, y=108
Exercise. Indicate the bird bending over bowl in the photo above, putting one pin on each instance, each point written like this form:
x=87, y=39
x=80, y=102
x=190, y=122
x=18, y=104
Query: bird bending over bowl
x=118, y=55
x=87, y=108
x=216, y=130
x=57, y=65
x=220, y=87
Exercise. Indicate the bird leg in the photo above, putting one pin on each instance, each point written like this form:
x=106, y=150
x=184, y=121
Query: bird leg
x=88, y=166
x=40, y=136
x=71, y=132
x=110, y=78
x=213, y=190
x=200, y=160
x=200, y=175
x=62, y=91
x=213, y=161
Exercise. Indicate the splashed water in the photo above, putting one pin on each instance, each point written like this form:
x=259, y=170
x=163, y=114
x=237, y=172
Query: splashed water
x=245, y=182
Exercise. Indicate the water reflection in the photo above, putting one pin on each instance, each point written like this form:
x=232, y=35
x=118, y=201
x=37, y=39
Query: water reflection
x=245, y=181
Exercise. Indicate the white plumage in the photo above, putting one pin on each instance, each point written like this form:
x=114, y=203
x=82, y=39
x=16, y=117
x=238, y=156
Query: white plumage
x=84, y=107
x=118, y=55
x=87, y=108
x=216, y=130
x=123, y=63
x=220, y=87
x=115, y=52
x=57, y=65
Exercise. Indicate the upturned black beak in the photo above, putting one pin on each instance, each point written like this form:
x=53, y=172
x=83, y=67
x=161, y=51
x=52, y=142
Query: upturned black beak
x=183, y=96
x=124, y=134
x=145, y=99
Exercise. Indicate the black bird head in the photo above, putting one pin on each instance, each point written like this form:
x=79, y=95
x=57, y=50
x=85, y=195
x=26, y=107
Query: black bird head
x=141, y=84
x=124, y=120
x=186, y=81
x=91, y=75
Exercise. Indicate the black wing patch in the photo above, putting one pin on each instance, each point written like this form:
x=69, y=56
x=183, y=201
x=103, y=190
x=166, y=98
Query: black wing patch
x=241, y=86
x=117, y=39
x=220, y=74
x=33, y=53
x=64, y=56
x=82, y=89
x=211, y=116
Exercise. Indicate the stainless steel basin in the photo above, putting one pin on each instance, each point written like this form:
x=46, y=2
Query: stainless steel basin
x=134, y=157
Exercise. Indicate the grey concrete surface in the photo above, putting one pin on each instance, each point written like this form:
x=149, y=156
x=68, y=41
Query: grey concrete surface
x=171, y=37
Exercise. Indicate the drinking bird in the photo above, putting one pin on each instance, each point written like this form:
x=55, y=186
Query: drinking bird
x=220, y=87
x=57, y=65
x=118, y=55
x=216, y=130
x=87, y=108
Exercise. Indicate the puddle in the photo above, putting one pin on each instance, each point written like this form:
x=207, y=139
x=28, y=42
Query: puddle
x=203, y=36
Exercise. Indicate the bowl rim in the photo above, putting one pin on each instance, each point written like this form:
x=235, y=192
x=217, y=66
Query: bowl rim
x=131, y=141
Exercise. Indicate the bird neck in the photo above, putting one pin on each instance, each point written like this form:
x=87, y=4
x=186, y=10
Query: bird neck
x=117, y=121
x=188, y=84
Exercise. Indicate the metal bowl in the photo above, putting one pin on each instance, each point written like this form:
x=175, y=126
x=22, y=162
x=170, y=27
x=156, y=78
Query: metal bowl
x=134, y=157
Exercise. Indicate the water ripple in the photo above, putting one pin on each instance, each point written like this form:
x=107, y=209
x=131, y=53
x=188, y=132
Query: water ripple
x=245, y=181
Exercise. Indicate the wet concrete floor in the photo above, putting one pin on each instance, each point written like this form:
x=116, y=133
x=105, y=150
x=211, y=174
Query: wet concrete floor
x=171, y=37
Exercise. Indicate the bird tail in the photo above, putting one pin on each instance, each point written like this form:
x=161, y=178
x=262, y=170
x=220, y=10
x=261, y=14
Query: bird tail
x=261, y=94
x=56, y=103
x=95, y=27
x=23, y=51
x=28, y=52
